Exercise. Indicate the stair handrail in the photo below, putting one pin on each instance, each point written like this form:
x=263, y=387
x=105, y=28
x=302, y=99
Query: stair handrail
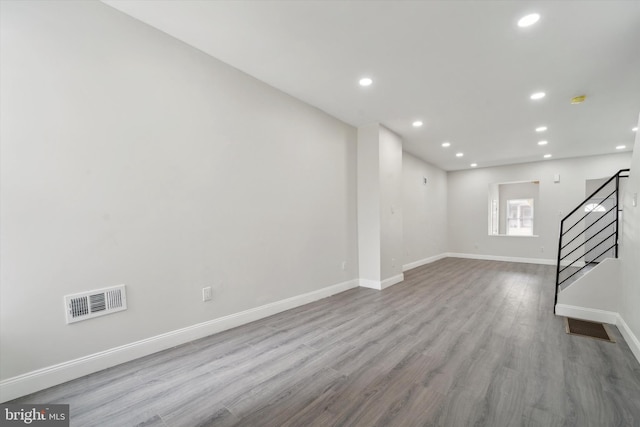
x=615, y=177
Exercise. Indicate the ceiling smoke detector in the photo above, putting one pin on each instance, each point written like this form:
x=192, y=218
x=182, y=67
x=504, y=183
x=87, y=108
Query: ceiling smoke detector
x=578, y=99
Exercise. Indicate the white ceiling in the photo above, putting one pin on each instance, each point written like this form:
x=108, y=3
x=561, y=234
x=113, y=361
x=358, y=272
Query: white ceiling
x=464, y=68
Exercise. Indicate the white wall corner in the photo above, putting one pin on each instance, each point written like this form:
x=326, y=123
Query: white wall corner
x=422, y=262
x=30, y=382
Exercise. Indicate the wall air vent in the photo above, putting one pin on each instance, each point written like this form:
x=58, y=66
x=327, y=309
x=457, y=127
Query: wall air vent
x=87, y=305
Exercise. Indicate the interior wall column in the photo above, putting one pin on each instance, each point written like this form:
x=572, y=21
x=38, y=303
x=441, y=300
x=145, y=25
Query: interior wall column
x=380, y=244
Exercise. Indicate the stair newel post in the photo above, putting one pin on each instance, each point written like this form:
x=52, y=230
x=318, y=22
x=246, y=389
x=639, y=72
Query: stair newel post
x=555, y=301
x=617, y=209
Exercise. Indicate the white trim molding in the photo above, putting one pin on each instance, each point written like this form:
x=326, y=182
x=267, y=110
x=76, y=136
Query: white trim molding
x=584, y=313
x=629, y=337
x=423, y=261
x=610, y=317
x=392, y=281
x=371, y=284
x=380, y=285
x=40, y=379
x=542, y=261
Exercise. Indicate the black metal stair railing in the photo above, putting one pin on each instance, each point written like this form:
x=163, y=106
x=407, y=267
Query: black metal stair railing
x=589, y=233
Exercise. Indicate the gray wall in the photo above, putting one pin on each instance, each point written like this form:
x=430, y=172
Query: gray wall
x=468, y=195
x=379, y=204
x=630, y=249
x=424, y=209
x=369, y=226
x=391, y=217
x=129, y=157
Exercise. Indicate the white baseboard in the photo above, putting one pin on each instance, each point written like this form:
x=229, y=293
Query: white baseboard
x=542, y=261
x=380, y=285
x=371, y=284
x=424, y=261
x=584, y=313
x=40, y=379
x=602, y=316
x=629, y=337
x=392, y=281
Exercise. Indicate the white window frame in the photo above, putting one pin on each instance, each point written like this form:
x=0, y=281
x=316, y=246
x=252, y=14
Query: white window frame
x=520, y=219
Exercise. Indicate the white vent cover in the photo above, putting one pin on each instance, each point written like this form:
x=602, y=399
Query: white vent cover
x=87, y=305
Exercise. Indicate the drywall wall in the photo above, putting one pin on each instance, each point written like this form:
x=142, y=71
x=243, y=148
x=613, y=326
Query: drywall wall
x=369, y=203
x=598, y=290
x=468, y=195
x=424, y=210
x=379, y=206
x=630, y=252
x=129, y=157
x=391, y=244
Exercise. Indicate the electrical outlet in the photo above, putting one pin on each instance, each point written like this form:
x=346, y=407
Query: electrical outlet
x=207, y=293
x=344, y=265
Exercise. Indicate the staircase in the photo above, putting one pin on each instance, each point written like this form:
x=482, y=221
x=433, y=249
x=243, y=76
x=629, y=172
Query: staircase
x=589, y=233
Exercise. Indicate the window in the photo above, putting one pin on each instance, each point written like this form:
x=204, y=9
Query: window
x=520, y=217
x=594, y=207
x=511, y=208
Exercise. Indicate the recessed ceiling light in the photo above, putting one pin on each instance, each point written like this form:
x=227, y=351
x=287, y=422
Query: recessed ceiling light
x=473, y=165
x=365, y=81
x=417, y=124
x=621, y=147
x=528, y=20
x=446, y=144
x=541, y=129
x=459, y=154
x=537, y=95
x=635, y=129
x=546, y=156
x=542, y=142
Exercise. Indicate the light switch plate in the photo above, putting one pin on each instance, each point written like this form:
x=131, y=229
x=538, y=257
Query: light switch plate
x=207, y=293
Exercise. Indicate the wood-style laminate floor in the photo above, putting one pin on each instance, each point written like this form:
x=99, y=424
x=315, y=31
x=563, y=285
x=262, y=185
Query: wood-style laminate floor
x=458, y=343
